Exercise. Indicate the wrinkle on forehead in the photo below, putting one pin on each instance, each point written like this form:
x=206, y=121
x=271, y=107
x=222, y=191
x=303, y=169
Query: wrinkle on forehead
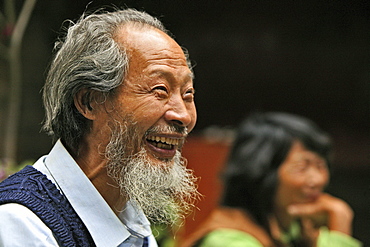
x=134, y=37
x=147, y=46
x=185, y=76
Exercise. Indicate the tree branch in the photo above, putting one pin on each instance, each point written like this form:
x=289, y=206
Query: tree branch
x=11, y=133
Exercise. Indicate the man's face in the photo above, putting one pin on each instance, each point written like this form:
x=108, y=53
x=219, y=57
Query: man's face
x=152, y=113
x=157, y=92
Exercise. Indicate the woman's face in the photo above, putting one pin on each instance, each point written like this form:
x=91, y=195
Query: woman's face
x=302, y=177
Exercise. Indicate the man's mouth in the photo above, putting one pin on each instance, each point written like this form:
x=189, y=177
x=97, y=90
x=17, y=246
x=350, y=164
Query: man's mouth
x=163, y=142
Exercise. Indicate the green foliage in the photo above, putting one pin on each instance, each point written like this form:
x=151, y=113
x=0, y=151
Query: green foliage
x=163, y=235
x=7, y=168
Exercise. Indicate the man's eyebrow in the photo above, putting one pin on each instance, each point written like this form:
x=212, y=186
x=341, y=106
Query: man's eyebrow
x=189, y=76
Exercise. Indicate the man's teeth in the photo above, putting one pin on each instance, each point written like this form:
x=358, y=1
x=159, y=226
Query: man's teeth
x=166, y=140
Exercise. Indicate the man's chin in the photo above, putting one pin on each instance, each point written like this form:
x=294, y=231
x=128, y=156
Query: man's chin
x=162, y=162
x=160, y=187
x=164, y=157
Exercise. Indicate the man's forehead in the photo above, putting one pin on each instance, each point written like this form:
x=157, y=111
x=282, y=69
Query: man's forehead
x=133, y=34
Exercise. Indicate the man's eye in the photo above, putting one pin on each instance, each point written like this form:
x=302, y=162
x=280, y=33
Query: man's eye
x=191, y=91
x=161, y=88
x=189, y=94
x=160, y=92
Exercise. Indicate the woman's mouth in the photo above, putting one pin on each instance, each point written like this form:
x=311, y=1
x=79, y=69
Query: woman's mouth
x=311, y=197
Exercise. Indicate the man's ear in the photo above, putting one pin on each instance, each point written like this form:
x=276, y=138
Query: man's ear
x=85, y=104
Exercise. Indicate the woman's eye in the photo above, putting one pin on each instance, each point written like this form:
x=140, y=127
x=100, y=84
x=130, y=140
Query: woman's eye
x=321, y=164
x=299, y=166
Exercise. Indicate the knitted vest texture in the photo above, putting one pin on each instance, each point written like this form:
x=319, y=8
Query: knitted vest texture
x=31, y=188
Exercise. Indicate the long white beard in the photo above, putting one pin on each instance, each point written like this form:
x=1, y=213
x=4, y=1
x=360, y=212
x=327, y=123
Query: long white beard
x=164, y=190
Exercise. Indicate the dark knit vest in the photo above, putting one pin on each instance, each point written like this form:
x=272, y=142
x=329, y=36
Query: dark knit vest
x=31, y=188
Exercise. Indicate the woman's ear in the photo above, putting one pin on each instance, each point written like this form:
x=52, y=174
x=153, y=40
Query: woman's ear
x=84, y=103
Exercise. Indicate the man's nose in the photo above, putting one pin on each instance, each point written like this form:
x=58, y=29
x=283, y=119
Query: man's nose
x=178, y=113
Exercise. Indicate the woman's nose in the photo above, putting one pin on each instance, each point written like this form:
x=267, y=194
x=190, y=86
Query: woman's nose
x=317, y=178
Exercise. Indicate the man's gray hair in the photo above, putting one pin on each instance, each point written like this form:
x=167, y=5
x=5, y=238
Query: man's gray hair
x=87, y=58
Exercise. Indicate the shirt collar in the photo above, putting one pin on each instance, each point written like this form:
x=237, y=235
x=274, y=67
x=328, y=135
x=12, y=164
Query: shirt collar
x=104, y=226
x=135, y=220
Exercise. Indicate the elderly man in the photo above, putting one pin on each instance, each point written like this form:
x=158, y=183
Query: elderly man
x=119, y=101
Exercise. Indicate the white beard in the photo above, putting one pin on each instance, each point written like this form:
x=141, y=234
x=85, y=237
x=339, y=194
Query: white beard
x=164, y=190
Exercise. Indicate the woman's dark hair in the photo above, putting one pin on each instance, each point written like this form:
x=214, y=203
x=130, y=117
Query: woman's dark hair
x=262, y=143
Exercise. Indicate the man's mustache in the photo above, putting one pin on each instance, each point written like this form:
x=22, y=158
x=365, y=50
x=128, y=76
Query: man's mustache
x=172, y=128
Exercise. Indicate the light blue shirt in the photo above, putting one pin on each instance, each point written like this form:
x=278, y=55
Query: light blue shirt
x=19, y=226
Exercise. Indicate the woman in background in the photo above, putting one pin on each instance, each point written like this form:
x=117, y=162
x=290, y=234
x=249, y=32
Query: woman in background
x=274, y=184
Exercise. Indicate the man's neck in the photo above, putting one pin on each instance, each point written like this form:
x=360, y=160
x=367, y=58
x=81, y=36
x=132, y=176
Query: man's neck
x=93, y=164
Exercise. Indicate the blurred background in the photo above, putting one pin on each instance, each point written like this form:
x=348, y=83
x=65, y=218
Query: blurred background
x=306, y=57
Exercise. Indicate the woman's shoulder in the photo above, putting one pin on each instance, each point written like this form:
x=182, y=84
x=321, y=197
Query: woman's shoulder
x=228, y=227
x=229, y=237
